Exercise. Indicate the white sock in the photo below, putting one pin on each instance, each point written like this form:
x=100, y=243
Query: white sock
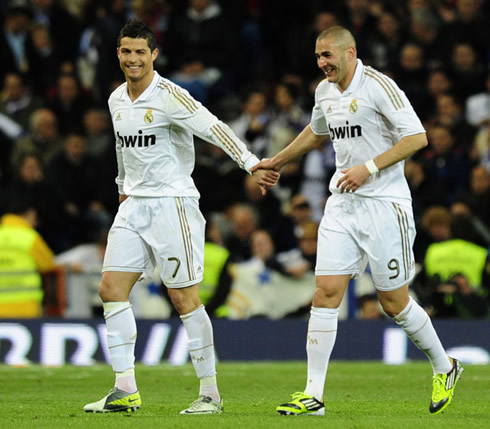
x=126, y=381
x=322, y=332
x=201, y=348
x=417, y=324
x=121, y=338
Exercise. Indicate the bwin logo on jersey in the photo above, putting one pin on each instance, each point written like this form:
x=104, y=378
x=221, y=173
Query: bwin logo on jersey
x=137, y=141
x=348, y=131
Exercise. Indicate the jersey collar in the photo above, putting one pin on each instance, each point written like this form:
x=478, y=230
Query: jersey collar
x=146, y=93
x=356, y=80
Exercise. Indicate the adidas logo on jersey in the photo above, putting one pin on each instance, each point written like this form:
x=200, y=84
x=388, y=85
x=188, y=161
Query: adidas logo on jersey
x=137, y=141
x=347, y=131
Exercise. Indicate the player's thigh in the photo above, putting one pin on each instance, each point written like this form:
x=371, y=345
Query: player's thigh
x=338, y=253
x=126, y=251
x=176, y=237
x=389, y=232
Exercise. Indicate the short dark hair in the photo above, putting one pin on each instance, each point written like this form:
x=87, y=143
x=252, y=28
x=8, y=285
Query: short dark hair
x=137, y=29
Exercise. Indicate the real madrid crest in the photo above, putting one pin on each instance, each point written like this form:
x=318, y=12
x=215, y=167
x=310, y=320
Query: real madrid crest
x=353, y=106
x=149, y=116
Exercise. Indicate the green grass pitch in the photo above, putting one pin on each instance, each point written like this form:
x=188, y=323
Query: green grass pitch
x=357, y=395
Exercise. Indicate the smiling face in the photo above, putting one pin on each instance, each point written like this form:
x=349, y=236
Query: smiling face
x=136, y=60
x=336, y=60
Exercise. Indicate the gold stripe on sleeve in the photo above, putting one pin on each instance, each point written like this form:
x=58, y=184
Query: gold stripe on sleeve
x=227, y=142
x=187, y=102
x=395, y=99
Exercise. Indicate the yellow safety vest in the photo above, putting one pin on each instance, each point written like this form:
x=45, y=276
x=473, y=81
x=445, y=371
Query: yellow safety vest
x=215, y=257
x=20, y=280
x=451, y=257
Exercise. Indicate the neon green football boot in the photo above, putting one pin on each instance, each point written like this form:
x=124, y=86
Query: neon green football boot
x=116, y=400
x=302, y=405
x=443, y=388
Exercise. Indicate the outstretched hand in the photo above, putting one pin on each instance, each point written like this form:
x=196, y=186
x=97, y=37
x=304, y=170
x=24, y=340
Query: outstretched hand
x=265, y=175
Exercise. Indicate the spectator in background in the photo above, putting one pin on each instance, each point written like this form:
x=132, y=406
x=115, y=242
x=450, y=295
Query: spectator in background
x=411, y=74
x=434, y=227
x=98, y=132
x=317, y=169
x=23, y=256
x=15, y=42
x=456, y=277
x=69, y=104
x=470, y=25
x=438, y=83
x=360, y=16
x=9, y=132
x=423, y=30
x=288, y=119
x=426, y=190
x=74, y=172
x=204, y=32
x=450, y=113
x=245, y=220
x=63, y=27
x=216, y=283
x=478, y=107
x=214, y=169
x=481, y=147
x=252, y=124
x=467, y=72
x=307, y=246
x=384, y=46
x=477, y=197
x=46, y=57
x=42, y=137
x=30, y=186
x=17, y=100
x=198, y=79
x=445, y=162
x=267, y=205
x=302, y=63
x=83, y=264
x=368, y=307
x=482, y=236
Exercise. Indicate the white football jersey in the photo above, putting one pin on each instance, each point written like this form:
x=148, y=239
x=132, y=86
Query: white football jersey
x=154, y=139
x=367, y=119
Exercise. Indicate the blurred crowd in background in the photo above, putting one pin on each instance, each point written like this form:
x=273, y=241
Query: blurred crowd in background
x=252, y=63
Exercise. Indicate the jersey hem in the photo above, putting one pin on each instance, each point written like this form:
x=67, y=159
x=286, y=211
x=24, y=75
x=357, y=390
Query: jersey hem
x=184, y=284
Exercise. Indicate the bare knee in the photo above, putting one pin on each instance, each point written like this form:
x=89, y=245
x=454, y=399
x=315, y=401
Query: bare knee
x=330, y=291
x=390, y=308
x=106, y=290
x=116, y=286
x=185, y=300
x=393, y=302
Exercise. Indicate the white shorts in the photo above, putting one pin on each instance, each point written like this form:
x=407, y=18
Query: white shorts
x=356, y=231
x=167, y=231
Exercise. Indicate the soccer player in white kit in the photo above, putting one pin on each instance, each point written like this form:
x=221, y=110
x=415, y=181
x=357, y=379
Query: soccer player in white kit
x=158, y=221
x=368, y=218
